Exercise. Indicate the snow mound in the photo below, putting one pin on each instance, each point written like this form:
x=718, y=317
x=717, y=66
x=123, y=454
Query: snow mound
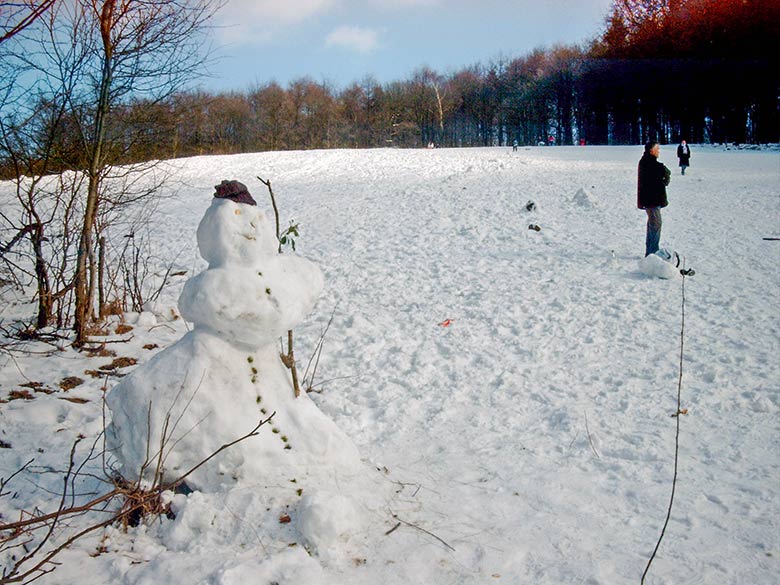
x=162, y=313
x=326, y=521
x=585, y=199
x=143, y=319
x=655, y=266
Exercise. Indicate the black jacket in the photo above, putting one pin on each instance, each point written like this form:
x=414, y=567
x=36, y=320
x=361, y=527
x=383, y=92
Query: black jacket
x=652, y=179
x=684, y=154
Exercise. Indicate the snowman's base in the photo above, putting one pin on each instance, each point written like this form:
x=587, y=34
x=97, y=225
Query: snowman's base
x=202, y=393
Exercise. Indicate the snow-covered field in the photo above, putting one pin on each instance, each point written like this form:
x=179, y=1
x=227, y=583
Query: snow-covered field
x=530, y=440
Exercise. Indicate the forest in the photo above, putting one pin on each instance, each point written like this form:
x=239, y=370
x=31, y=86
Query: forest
x=701, y=70
x=103, y=89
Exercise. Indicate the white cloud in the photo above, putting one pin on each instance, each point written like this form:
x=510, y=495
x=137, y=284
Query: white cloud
x=258, y=20
x=356, y=38
x=404, y=3
x=265, y=12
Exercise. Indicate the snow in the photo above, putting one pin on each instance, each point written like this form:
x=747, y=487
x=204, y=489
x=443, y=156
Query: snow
x=529, y=441
x=584, y=198
x=654, y=265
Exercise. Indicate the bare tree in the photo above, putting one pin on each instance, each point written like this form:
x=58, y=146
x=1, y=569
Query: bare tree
x=91, y=60
x=34, y=143
x=145, y=47
x=272, y=110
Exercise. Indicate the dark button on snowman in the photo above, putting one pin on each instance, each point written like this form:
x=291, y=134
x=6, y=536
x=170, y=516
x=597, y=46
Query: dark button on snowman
x=221, y=378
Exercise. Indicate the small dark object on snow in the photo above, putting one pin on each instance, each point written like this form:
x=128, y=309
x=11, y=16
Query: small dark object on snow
x=687, y=271
x=70, y=382
x=33, y=385
x=74, y=399
x=20, y=395
x=235, y=191
x=182, y=488
x=530, y=206
x=534, y=227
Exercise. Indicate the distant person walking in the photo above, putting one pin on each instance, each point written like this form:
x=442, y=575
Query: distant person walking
x=652, y=178
x=684, y=154
x=514, y=145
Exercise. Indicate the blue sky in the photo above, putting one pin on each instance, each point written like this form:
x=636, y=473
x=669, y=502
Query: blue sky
x=343, y=41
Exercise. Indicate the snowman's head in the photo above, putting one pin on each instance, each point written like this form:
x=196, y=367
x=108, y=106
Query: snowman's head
x=235, y=233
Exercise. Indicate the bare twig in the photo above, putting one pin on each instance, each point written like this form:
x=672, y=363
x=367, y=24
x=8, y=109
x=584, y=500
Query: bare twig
x=137, y=502
x=59, y=514
x=590, y=439
x=26, y=20
x=290, y=363
x=181, y=414
x=276, y=209
x=253, y=433
x=404, y=484
x=328, y=381
x=105, y=341
x=405, y=523
x=289, y=359
x=168, y=327
x=51, y=554
x=4, y=481
x=308, y=380
x=15, y=575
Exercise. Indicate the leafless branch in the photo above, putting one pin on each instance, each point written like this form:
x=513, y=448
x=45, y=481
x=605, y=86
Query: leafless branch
x=429, y=533
x=25, y=20
x=267, y=183
x=590, y=439
x=289, y=358
x=308, y=381
x=4, y=481
x=136, y=503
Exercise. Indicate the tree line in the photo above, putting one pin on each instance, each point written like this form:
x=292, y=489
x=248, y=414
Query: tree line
x=702, y=70
x=92, y=92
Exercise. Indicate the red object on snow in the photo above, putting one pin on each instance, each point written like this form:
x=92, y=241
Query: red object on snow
x=445, y=323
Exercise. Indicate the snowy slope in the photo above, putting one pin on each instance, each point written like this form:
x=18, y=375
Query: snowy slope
x=530, y=440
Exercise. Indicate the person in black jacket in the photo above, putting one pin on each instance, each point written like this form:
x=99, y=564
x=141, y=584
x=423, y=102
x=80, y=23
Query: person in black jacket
x=652, y=178
x=684, y=154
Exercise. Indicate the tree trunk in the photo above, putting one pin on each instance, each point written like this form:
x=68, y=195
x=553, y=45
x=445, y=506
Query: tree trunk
x=42, y=277
x=440, y=112
x=83, y=295
x=100, y=276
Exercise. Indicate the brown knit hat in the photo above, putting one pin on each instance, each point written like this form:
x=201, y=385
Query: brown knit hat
x=234, y=191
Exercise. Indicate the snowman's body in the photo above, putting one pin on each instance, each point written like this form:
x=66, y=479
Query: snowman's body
x=219, y=380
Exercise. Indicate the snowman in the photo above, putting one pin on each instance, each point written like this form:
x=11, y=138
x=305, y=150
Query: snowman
x=218, y=381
